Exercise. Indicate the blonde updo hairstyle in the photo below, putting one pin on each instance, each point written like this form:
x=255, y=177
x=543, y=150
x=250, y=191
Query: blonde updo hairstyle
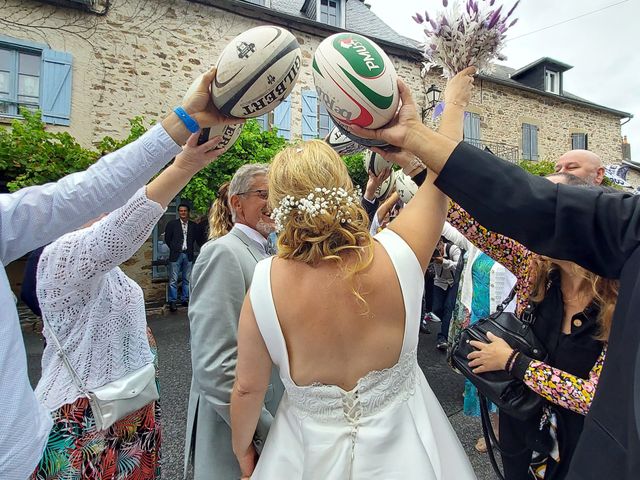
x=297, y=171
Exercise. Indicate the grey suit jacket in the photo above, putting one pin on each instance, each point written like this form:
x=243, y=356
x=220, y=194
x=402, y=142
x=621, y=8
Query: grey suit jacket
x=220, y=279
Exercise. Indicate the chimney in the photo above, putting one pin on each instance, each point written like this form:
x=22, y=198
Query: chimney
x=626, y=149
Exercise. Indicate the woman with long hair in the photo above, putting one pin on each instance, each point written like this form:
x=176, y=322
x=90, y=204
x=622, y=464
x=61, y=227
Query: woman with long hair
x=220, y=218
x=338, y=311
x=573, y=309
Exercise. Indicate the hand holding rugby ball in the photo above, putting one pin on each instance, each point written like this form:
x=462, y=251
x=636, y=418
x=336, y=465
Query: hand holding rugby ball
x=229, y=133
x=356, y=82
x=256, y=71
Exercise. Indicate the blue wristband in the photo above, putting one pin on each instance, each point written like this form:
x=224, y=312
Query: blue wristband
x=189, y=122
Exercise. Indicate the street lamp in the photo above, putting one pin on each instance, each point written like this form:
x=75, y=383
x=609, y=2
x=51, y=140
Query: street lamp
x=433, y=97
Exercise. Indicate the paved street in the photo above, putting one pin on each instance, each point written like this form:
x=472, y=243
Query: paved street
x=172, y=335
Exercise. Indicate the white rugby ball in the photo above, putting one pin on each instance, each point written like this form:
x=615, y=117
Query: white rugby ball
x=405, y=187
x=229, y=133
x=374, y=163
x=355, y=80
x=386, y=188
x=256, y=71
x=359, y=140
x=342, y=144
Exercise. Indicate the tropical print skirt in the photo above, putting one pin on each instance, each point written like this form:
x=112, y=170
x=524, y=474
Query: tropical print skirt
x=128, y=450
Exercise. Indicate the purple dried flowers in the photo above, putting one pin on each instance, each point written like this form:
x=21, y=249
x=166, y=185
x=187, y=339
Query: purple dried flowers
x=461, y=36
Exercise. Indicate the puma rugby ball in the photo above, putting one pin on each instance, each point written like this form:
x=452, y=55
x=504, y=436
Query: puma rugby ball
x=342, y=144
x=355, y=80
x=405, y=187
x=374, y=163
x=229, y=133
x=256, y=71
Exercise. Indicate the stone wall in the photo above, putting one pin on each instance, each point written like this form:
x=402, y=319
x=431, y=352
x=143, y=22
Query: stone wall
x=141, y=57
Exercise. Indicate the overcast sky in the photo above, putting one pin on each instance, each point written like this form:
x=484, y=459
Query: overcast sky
x=603, y=47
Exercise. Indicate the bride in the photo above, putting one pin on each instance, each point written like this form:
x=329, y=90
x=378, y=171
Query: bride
x=338, y=312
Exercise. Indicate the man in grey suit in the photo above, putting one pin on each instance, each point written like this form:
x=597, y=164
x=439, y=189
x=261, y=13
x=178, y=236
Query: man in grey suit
x=220, y=279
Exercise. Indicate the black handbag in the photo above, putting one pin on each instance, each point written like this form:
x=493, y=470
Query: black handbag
x=510, y=395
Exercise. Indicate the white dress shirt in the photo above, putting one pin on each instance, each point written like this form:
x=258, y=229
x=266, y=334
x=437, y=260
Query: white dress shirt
x=255, y=236
x=30, y=218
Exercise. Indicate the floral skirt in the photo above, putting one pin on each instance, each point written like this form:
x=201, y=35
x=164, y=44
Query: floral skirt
x=128, y=450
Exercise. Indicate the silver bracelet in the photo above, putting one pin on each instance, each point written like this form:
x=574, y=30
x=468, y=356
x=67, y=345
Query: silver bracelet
x=414, y=165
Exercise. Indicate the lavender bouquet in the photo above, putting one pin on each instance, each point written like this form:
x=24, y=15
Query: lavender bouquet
x=462, y=36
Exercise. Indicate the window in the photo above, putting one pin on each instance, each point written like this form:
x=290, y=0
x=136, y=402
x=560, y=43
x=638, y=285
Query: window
x=330, y=12
x=529, y=142
x=257, y=2
x=579, y=141
x=552, y=82
x=35, y=77
x=309, y=114
x=472, y=128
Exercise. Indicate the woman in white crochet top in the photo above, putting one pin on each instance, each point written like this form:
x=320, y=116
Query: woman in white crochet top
x=97, y=314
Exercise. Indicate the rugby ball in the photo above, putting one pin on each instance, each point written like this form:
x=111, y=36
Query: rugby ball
x=355, y=80
x=359, y=140
x=256, y=71
x=405, y=187
x=229, y=133
x=342, y=144
x=374, y=163
x=386, y=187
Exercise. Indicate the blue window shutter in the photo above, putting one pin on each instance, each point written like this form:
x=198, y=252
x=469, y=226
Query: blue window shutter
x=56, y=87
x=526, y=141
x=309, y=114
x=282, y=118
x=534, y=142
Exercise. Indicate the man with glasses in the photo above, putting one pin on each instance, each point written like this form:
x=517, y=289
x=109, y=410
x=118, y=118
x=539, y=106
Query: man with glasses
x=220, y=279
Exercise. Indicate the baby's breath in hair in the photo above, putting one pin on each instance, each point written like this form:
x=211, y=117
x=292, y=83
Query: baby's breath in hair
x=322, y=201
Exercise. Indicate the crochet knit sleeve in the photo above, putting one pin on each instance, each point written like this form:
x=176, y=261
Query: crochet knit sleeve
x=77, y=260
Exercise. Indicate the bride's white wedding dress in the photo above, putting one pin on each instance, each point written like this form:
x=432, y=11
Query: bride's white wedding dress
x=390, y=426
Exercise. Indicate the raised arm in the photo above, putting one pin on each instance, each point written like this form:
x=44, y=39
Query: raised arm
x=74, y=261
x=34, y=216
x=512, y=255
x=419, y=231
x=597, y=230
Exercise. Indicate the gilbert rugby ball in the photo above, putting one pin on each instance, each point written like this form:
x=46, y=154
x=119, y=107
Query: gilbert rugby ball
x=229, y=133
x=374, y=163
x=256, y=71
x=405, y=187
x=342, y=144
x=355, y=80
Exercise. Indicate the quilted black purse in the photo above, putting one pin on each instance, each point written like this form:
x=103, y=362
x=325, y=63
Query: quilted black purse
x=510, y=395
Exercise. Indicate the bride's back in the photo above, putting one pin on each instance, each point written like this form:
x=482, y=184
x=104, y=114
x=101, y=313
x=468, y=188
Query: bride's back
x=331, y=336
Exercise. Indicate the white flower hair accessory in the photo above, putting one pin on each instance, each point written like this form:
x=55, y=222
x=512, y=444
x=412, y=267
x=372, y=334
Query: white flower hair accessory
x=322, y=201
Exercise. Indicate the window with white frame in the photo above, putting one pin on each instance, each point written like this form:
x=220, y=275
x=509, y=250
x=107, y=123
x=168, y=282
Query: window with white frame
x=330, y=12
x=257, y=2
x=552, y=82
x=34, y=76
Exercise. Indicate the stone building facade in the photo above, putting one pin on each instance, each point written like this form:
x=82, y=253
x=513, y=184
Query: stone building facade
x=138, y=57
